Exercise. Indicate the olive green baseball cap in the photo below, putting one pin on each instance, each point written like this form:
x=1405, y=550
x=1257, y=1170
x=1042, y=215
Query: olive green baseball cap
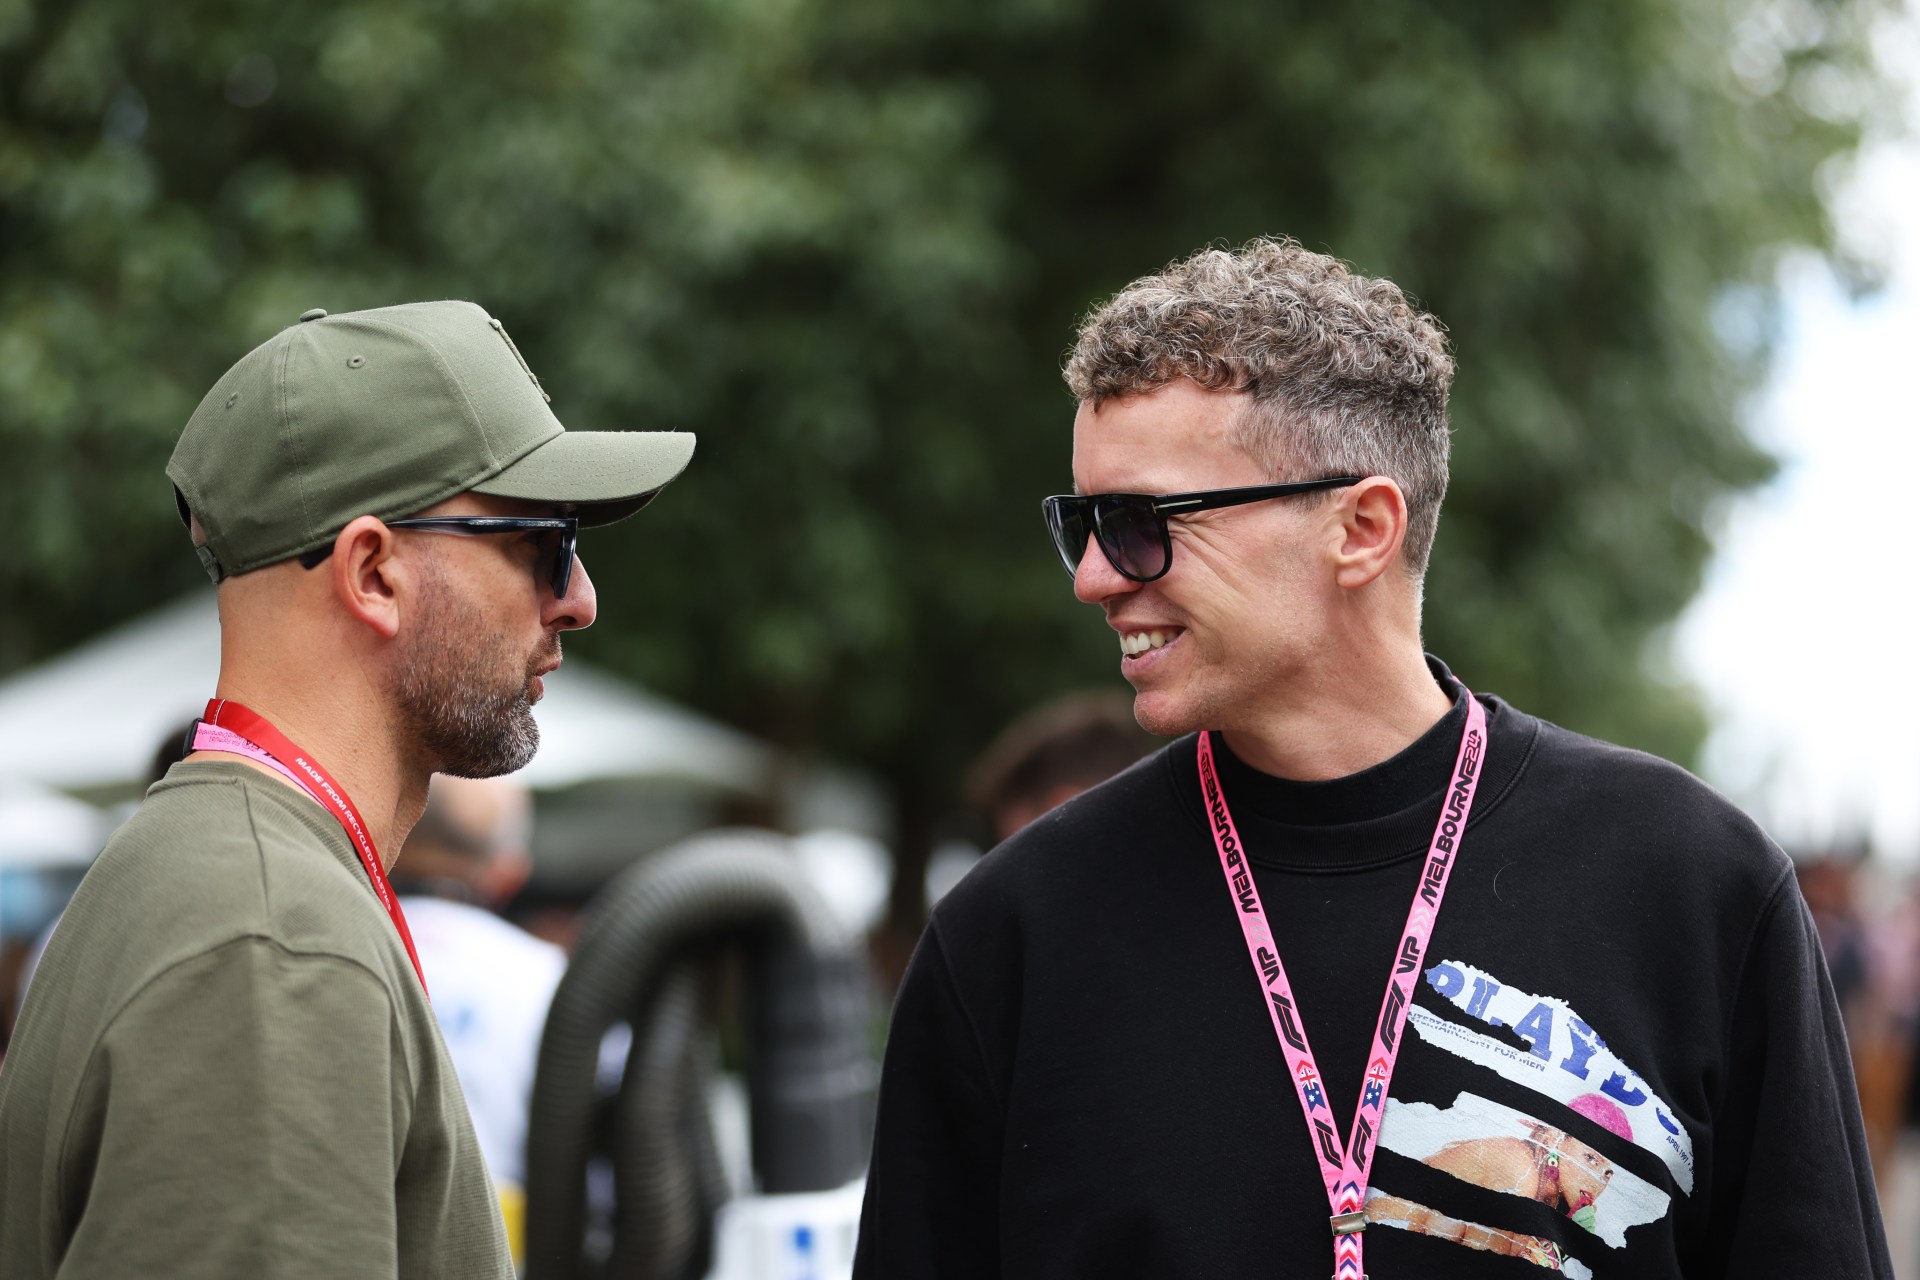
x=386, y=413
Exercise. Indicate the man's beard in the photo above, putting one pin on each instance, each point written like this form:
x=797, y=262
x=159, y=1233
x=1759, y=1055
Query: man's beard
x=454, y=704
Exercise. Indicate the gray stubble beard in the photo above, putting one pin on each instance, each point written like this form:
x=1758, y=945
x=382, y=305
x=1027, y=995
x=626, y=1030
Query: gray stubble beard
x=450, y=697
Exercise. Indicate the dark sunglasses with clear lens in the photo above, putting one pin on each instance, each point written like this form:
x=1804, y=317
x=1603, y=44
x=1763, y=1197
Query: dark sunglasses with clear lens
x=559, y=537
x=1131, y=528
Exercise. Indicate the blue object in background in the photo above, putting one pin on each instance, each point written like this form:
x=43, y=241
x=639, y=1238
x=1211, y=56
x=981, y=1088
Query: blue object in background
x=32, y=898
x=806, y=1260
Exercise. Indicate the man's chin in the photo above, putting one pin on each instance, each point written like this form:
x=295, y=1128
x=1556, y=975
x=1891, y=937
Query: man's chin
x=509, y=751
x=1164, y=715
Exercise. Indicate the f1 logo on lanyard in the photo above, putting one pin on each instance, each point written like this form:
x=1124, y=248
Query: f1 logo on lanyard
x=1345, y=1170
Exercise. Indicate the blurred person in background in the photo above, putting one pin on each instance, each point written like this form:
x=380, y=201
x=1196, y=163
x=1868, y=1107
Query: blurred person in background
x=1148, y=1035
x=49, y=899
x=1051, y=755
x=1827, y=882
x=31, y=899
x=227, y=1065
x=1870, y=959
x=1883, y=1045
x=1039, y=762
x=491, y=981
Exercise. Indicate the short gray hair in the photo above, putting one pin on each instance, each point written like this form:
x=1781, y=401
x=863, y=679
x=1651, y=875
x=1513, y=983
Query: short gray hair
x=1346, y=377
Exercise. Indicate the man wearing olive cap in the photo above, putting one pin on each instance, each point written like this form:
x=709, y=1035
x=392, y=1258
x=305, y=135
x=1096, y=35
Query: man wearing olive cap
x=228, y=1065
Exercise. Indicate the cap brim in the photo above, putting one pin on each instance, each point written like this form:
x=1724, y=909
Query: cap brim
x=608, y=475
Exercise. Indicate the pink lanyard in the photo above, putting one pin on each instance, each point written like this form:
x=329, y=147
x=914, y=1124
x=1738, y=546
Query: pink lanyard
x=232, y=728
x=1345, y=1170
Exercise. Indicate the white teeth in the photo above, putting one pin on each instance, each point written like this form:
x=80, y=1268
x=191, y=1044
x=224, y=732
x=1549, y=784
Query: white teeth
x=1134, y=643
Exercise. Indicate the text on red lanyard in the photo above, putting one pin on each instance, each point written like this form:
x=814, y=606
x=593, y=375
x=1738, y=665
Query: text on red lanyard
x=228, y=726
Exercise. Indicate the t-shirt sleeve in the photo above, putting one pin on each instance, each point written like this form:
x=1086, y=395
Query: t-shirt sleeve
x=933, y=1187
x=1794, y=1191
x=242, y=1117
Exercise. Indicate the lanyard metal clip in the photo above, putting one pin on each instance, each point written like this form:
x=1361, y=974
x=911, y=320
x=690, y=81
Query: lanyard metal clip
x=1349, y=1224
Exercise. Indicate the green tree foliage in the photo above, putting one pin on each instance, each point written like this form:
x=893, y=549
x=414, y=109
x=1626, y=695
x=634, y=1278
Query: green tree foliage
x=847, y=242
x=1585, y=194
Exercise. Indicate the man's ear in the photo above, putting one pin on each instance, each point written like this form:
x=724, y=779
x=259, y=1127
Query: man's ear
x=1373, y=524
x=366, y=574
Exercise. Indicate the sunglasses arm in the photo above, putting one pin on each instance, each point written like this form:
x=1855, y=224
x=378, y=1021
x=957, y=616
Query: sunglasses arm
x=1207, y=499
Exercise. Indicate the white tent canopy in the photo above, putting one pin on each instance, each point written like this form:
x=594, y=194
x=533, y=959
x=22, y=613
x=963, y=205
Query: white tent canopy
x=92, y=719
x=41, y=828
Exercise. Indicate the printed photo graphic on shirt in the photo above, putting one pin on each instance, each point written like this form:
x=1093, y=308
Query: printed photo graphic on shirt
x=1495, y=1147
x=1564, y=1059
x=1384, y=1210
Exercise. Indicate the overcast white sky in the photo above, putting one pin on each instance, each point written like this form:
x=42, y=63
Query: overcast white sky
x=1807, y=636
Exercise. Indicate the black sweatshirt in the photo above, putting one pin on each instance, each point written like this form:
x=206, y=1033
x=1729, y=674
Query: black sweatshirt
x=1624, y=1058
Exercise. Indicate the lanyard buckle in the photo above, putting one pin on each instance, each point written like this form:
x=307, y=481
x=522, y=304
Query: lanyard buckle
x=1349, y=1224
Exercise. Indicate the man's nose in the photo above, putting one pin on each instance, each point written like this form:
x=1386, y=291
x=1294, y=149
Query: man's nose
x=577, y=609
x=1096, y=580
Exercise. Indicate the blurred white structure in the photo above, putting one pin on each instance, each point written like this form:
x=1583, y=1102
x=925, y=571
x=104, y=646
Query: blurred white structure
x=619, y=773
x=90, y=720
x=46, y=842
x=41, y=828
x=852, y=872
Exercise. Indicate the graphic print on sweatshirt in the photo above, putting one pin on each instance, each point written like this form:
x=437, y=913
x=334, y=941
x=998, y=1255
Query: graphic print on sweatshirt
x=1384, y=1210
x=1566, y=1059
x=1495, y=1147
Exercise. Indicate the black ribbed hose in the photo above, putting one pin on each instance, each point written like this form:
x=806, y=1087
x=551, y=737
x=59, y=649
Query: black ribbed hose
x=660, y=1222
x=645, y=954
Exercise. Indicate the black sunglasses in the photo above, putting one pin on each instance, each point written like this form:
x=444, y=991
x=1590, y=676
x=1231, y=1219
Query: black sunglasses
x=1132, y=527
x=558, y=571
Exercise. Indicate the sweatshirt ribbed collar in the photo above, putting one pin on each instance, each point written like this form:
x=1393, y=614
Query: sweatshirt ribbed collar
x=1380, y=814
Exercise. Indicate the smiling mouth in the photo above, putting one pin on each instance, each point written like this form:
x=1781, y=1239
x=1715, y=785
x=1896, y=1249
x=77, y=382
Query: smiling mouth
x=1135, y=643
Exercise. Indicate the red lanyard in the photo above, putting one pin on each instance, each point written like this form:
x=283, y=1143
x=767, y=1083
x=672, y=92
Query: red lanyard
x=230, y=727
x=1345, y=1170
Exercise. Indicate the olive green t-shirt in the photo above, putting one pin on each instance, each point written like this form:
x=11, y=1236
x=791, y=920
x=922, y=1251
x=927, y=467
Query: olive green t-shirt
x=226, y=1066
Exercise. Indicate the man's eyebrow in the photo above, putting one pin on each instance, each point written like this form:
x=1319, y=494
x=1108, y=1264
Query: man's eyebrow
x=1149, y=490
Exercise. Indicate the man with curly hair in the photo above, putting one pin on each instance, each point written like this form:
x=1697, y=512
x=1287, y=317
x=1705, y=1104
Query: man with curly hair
x=1214, y=1017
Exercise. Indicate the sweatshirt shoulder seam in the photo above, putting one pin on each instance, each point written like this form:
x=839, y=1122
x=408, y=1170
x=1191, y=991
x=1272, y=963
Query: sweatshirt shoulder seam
x=1762, y=920
x=966, y=1015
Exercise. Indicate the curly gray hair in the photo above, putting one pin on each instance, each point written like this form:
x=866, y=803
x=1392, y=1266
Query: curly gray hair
x=1344, y=375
